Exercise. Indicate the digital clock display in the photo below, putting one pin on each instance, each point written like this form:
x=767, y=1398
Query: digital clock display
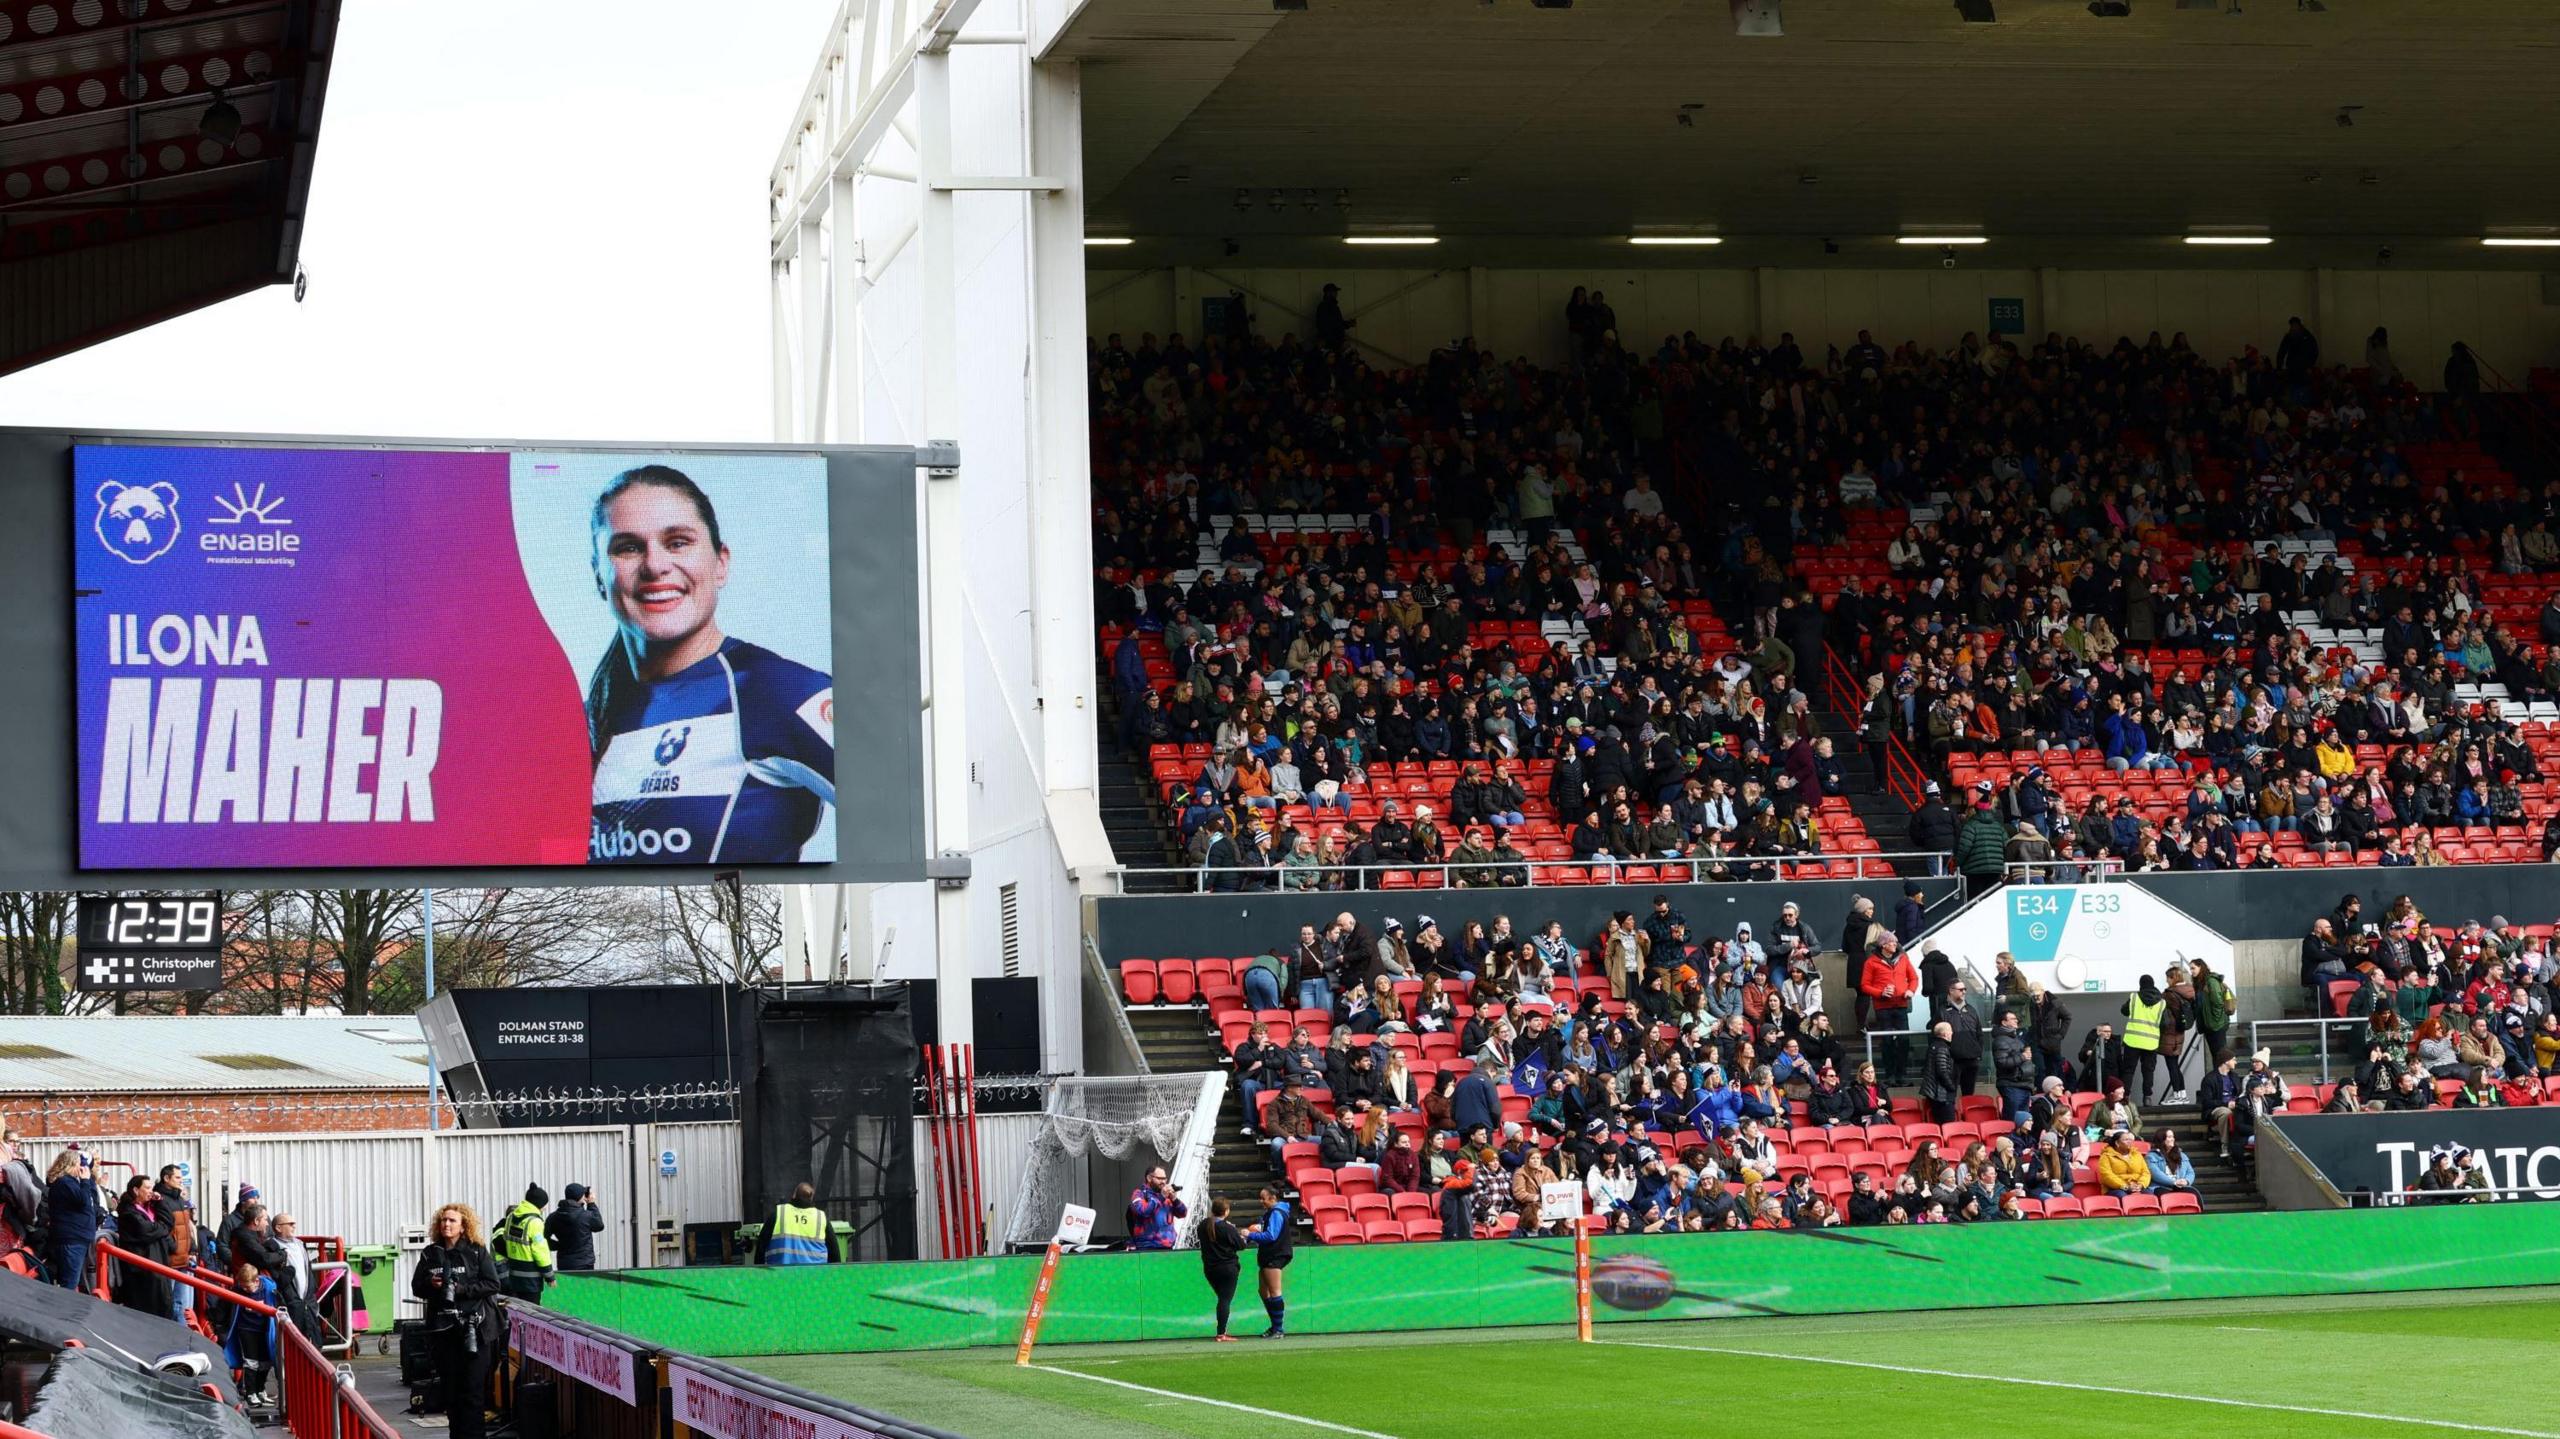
x=152, y=921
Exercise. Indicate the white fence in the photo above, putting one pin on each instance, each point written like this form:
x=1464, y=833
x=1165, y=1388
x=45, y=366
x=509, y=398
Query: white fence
x=1004, y=1167
x=379, y=1188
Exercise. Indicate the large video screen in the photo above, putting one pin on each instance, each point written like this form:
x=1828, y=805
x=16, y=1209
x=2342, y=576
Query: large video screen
x=342, y=658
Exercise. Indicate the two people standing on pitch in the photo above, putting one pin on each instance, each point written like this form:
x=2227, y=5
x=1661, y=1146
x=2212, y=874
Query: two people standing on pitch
x=1274, y=1244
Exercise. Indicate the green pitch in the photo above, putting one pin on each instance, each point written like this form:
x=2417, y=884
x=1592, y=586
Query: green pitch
x=2362, y=1367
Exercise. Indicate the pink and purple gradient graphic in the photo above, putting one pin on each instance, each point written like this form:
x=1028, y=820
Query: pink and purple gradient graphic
x=397, y=663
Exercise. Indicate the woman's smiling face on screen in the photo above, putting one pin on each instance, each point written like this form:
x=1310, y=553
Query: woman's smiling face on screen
x=667, y=574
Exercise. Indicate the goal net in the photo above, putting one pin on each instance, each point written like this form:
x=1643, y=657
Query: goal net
x=1091, y=1129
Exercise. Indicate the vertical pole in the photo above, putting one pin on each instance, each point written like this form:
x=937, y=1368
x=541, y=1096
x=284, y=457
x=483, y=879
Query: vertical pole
x=977, y=1227
x=1581, y=1279
x=947, y=526
x=941, y=1160
x=435, y=1081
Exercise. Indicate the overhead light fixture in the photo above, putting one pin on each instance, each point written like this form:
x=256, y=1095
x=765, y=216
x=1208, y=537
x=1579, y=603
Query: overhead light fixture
x=2523, y=240
x=1977, y=12
x=220, y=121
x=1675, y=239
x=1942, y=239
x=1759, y=19
x=1391, y=239
x=2230, y=237
x=1091, y=240
x=2111, y=9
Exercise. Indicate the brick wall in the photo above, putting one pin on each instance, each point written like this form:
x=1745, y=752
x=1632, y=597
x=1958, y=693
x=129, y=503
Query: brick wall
x=228, y=1112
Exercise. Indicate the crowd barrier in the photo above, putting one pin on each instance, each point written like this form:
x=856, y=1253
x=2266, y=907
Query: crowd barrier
x=737, y=1313
x=319, y=1398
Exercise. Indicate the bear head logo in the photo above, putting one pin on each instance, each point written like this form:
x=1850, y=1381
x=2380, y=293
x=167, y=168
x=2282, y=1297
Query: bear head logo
x=137, y=523
x=671, y=743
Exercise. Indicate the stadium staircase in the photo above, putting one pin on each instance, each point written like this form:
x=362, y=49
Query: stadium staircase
x=1177, y=1039
x=1886, y=819
x=1132, y=819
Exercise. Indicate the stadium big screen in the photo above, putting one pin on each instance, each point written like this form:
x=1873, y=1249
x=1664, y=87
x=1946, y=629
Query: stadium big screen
x=363, y=658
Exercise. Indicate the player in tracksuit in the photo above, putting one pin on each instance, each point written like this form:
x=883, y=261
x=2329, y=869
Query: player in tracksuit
x=707, y=749
x=1274, y=1245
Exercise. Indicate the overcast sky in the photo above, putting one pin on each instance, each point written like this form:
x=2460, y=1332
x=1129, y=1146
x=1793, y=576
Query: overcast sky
x=530, y=220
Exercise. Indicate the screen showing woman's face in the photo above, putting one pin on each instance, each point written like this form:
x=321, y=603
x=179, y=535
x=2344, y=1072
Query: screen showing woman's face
x=666, y=575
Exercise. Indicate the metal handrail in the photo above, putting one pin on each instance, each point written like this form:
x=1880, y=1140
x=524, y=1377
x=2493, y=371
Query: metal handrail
x=2320, y=1027
x=1868, y=866
x=2095, y=869
x=1097, y=972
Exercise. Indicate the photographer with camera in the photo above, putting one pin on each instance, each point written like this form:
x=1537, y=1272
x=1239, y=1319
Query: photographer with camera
x=458, y=1283
x=1153, y=1206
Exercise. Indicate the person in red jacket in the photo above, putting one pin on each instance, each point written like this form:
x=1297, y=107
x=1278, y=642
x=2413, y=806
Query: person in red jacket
x=1888, y=981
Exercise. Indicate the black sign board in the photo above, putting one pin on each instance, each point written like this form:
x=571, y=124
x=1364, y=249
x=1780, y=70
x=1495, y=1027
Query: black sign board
x=149, y=941
x=2382, y=1154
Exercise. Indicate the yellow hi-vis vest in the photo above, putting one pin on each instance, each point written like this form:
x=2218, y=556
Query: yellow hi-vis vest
x=2142, y=1023
x=798, y=1236
x=521, y=1242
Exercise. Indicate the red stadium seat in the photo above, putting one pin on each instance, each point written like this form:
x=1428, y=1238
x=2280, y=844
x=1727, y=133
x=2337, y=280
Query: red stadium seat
x=1412, y=1206
x=1382, y=1231
x=1179, y=981
x=1366, y=1207
x=2142, y=1204
x=1138, y=980
x=2063, y=1206
x=1422, y=1229
x=2097, y=1205
x=2181, y=1204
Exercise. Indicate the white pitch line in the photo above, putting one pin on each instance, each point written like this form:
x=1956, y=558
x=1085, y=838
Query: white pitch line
x=1250, y=1409
x=2095, y=1388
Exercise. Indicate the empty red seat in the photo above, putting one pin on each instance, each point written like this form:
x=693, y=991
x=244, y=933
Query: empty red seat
x=1411, y=1206
x=1178, y=980
x=2102, y=1204
x=1338, y=1231
x=1138, y=980
x=2142, y=1204
x=1422, y=1228
x=1382, y=1231
x=2181, y=1204
x=1366, y=1207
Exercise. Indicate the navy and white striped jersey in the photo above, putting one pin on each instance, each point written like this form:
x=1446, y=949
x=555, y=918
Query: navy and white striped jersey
x=730, y=761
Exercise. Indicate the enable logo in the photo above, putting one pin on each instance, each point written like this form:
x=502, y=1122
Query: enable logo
x=137, y=523
x=247, y=523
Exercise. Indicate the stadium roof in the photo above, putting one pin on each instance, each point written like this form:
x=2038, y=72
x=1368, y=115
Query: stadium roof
x=155, y=156
x=1524, y=134
x=189, y=1054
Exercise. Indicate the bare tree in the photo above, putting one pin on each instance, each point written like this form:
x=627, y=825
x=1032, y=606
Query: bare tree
x=35, y=939
x=718, y=934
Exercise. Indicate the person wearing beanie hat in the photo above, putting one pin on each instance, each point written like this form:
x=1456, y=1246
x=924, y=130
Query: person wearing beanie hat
x=1458, y=1201
x=572, y=1230
x=523, y=1251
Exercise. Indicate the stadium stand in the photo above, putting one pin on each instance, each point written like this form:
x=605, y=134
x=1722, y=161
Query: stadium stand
x=1743, y=606
x=1703, y=1098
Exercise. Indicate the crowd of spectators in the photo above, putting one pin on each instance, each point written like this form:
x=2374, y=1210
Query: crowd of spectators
x=1694, y=1084
x=2037, y=528
x=2453, y=1016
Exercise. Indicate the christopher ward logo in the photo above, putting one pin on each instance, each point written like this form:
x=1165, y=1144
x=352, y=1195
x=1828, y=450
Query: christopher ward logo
x=137, y=523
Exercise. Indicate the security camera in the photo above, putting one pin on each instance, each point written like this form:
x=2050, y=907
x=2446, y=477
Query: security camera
x=1946, y=257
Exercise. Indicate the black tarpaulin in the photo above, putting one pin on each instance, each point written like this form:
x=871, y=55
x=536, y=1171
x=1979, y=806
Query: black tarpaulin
x=86, y=1392
x=47, y=1317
